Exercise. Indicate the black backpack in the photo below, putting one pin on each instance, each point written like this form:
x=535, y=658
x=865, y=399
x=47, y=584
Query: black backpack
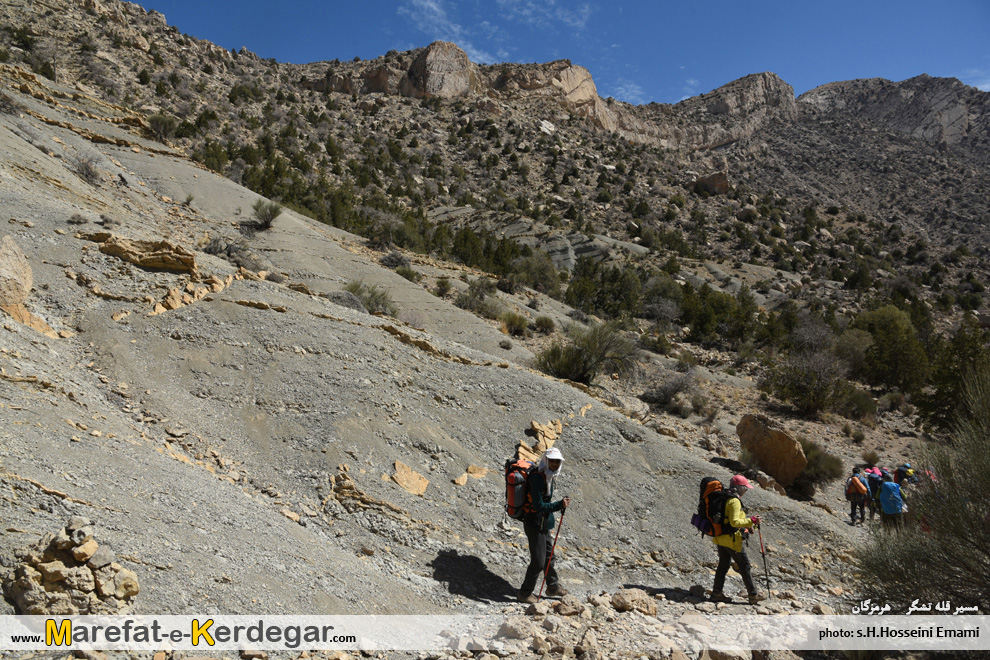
x=710, y=518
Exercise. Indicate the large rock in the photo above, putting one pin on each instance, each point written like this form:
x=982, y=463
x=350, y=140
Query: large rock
x=777, y=453
x=15, y=273
x=441, y=70
x=57, y=575
x=626, y=600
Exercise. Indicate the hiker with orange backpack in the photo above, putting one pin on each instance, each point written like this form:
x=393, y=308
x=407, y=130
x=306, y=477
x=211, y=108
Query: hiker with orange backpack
x=857, y=492
x=730, y=542
x=538, y=522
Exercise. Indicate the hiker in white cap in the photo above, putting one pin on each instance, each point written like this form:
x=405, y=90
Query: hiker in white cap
x=538, y=523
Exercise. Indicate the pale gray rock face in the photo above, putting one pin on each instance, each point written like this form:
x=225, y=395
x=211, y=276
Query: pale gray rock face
x=442, y=70
x=936, y=110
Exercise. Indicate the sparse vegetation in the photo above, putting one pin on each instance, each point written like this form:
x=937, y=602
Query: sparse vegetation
x=588, y=352
x=265, y=213
x=376, y=299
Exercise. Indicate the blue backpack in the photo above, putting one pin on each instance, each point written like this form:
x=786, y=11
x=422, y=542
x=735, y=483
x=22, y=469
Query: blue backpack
x=890, y=498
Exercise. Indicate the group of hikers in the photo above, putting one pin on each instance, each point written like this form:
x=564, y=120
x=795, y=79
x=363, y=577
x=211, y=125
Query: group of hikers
x=539, y=521
x=881, y=491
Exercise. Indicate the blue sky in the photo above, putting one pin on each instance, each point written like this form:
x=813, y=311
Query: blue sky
x=637, y=50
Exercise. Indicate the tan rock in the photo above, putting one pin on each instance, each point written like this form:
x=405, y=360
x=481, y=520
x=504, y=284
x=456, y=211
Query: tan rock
x=517, y=627
x=53, y=571
x=461, y=480
x=85, y=551
x=477, y=472
x=412, y=481
x=22, y=315
x=15, y=274
x=776, y=452
x=126, y=584
x=714, y=184
x=291, y=515
x=159, y=255
x=626, y=600
x=80, y=578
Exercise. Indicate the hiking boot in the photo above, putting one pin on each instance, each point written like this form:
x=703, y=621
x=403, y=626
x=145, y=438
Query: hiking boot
x=528, y=598
x=756, y=598
x=719, y=597
x=556, y=590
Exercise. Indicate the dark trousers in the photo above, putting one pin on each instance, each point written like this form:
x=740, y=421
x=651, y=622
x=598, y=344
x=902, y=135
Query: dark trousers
x=725, y=558
x=540, y=545
x=861, y=503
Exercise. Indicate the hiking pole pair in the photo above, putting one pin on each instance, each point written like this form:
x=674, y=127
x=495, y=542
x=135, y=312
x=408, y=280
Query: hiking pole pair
x=764, y=553
x=550, y=558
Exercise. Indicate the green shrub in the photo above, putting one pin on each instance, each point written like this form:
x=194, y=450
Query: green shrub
x=858, y=436
x=822, y=466
x=376, y=299
x=162, y=127
x=896, y=357
x=870, y=457
x=859, y=405
x=588, y=352
x=544, y=325
x=86, y=168
x=265, y=213
x=668, y=387
x=811, y=380
x=443, y=287
x=409, y=273
x=514, y=324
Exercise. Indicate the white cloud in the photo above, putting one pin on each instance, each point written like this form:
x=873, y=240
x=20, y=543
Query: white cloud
x=689, y=89
x=545, y=14
x=979, y=78
x=431, y=17
x=630, y=92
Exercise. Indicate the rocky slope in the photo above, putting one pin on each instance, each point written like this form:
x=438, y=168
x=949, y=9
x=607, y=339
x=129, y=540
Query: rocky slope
x=248, y=436
x=247, y=441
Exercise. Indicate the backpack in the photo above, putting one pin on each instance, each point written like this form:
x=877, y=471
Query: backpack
x=517, y=473
x=710, y=518
x=874, y=482
x=854, y=491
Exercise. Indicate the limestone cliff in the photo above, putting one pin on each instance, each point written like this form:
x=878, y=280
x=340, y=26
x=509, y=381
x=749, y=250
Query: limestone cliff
x=942, y=111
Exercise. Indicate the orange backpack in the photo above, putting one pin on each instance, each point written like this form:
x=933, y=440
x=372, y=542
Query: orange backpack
x=517, y=473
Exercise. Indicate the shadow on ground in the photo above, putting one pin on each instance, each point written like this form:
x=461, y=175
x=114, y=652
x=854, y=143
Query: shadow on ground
x=467, y=576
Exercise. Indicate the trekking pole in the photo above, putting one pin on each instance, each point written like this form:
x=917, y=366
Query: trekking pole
x=764, y=553
x=550, y=558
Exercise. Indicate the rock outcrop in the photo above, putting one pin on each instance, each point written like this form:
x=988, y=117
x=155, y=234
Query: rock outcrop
x=777, y=453
x=15, y=273
x=941, y=111
x=70, y=574
x=441, y=70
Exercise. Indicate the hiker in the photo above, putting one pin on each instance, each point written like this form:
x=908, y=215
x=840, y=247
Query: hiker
x=902, y=473
x=857, y=492
x=730, y=545
x=891, y=503
x=538, y=523
x=874, y=478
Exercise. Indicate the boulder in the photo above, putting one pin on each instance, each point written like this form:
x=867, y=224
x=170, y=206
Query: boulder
x=626, y=600
x=776, y=452
x=51, y=577
x=714, y=184
x=412, y=481
x=442, y=70
x=15, y=273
